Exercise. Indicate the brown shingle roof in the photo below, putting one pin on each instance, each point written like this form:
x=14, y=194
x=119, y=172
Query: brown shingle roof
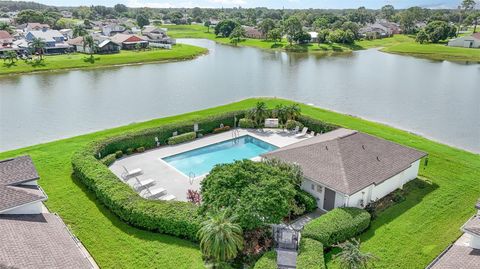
x=17, y=170
x=38, y=241
x=14, y=172
x=348, y=161
x=5, y=35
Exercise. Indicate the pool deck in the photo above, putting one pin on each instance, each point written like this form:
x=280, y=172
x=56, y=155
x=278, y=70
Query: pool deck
x=173, y=181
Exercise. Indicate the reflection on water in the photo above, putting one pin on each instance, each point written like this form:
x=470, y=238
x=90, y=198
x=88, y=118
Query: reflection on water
x=432, y=98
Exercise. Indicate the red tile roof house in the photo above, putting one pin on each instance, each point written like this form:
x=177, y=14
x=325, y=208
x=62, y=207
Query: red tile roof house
x=129, y=42
x=346, y=168
x=30, y=236
x=465, y=252
x=6, y=42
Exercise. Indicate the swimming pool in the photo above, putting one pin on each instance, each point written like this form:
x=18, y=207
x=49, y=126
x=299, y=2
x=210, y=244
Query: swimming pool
x=200, y=161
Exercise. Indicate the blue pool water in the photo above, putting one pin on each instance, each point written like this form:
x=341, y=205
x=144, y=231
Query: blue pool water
x=200, y=161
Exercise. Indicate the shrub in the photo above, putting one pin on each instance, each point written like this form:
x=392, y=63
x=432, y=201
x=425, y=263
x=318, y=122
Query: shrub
x=109, y=159
x=308, y=201
x=221, y=129
x=267, y=261
x=337, y=225
x=311, y=255
x=129, y=151
x=118, y=154
x=174, y=140
x=292, y=124
x=246, y=123
x=316, y=125
x=140, y=149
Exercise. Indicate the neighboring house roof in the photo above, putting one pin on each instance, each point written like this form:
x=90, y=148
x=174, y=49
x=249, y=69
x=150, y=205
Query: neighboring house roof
x=39, y=241
x=48, y=35
x=77, y=41
x=123, y=38
x=473, y=225
x=476, y=35
x=14, y=172
x=348, y=161
x=153, y=29
x=106, y=42
x=35, y=25
x=5, y=35
x=457, y=256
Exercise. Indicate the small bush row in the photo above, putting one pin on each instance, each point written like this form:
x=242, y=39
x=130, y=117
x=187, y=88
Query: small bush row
x=178, y=139
x=267, y=261
x=292, y=124
x=310, y=255
x=221, y=129
x=316, y=125
x=337, y=225
x=109, y=159
x=246, y=123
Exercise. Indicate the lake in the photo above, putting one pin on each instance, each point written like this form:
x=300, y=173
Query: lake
x=439, y=100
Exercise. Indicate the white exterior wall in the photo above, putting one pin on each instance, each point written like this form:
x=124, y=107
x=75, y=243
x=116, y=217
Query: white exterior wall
x=307, y=186
x=34, y=208
x=464, y=41
x=475, y=242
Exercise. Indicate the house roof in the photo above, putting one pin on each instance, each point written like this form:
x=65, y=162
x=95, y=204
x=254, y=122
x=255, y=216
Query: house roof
x=48, y=35
x=77, y=41
x=457, y=256
x=17, y=170
x=348, y=161
x=476, y=35
x=121, y=38
x=14, y=172
x=473, y=225
x=39, y=241
x=5, y=35
x=37, y=25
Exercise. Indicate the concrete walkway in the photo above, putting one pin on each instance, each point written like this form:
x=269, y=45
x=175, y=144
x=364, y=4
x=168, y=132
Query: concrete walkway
x=299, y=223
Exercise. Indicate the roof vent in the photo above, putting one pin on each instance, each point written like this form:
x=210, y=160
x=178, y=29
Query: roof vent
x=363, y=147
x=378, y=159
x=326, y=147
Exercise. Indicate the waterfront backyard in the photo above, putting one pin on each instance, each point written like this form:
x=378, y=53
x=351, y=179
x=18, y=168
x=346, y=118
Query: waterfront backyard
x=407, y=235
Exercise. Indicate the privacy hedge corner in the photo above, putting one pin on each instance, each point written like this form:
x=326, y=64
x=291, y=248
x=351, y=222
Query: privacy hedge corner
x=310, y=255
x=267, y=261
x=337, y=225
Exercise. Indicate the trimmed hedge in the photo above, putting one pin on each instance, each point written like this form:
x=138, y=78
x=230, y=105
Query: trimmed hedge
x=267, y=261
x=311, y=255
x=306, y=199
x=316, y=125
x=337, y=225
x=178, y=139
x=246, y=123
x=109, y=159
x=169, y=217
x=292, y=124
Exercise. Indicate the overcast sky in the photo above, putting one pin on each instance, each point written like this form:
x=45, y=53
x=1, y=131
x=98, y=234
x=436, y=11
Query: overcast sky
x=334, y=4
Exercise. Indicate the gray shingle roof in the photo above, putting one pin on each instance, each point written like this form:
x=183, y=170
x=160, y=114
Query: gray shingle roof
x=14, y=172
x=38, y=241
x=17, y=170
x=348, y=161
x=473, y=225
x=458, y=257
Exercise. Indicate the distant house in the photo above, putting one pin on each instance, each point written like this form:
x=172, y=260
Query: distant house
x=157, y=37
x=104, y=45
x=112, y=29
x=465, y=252
x=129, y=42
x=31, y=236
x=252, y=32
x=66, y=14
x=349, y=168
x=6, y=20
x=392, y=26
x=6, y=42
x=375, y=30
x=470, y=41
x=54, y=40
x=67, y=33
x=33, y=26
x=313, y=37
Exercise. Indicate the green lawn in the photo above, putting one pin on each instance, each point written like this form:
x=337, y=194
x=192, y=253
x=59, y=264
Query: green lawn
x=407, y=235
x=77, y=60
x=398, y=44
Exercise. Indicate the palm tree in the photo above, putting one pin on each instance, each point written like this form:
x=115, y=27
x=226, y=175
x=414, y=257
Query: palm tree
x=260, y=113
x=89, y=43
x=220, y=238
x=38, y=46
x=11, y=56
x=79, y=30
x=293, y=111
x=6, y=27
x=351, y=257
x=281, y=113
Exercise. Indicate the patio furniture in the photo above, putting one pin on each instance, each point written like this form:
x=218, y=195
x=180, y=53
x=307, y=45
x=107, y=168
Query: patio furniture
x=141, y=183
x=153, y=192
x=303, y=133
x=169, y=197
x=271, y=123
x=312, y=133
x=129, y=173
x=294, y=131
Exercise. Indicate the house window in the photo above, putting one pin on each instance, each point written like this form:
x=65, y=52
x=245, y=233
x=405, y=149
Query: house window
x=319, y=189
x=313, y=186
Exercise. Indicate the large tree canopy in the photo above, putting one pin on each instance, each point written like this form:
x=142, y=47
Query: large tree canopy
x=258, y=193
x=225, y=28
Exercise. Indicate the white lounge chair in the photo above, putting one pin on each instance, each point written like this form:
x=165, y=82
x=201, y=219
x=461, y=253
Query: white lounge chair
x=142, y=183
x=129, y=173
x=153, y=192
x=169, y=197
x=303, y=133
x=312, y=133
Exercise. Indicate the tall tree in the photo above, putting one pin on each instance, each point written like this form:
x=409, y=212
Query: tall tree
x=220, y=237
x=225, y=28
x=79, y=30
x=120, y=8
x=266, y=26
x=292, y=27
x=275, y=35
x=351, y=257
x=207, y=24
x=387, y=12
x=473, y=18
x=38, y=46
x=89, y=42
x=142, y=20
x=6, y=27
x=237, y=34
